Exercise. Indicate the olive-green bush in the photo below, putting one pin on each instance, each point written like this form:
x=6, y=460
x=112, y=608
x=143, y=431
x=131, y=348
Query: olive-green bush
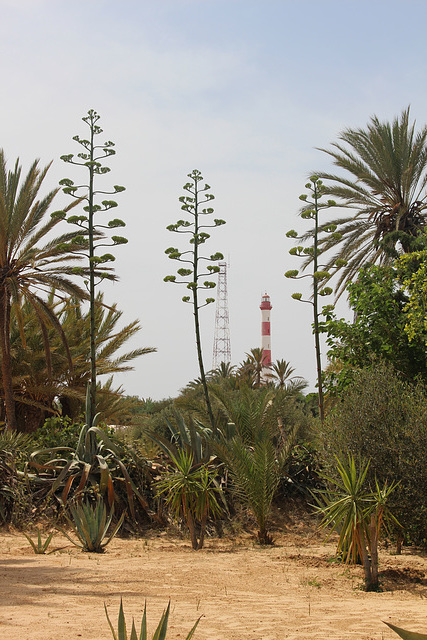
x=383, y=418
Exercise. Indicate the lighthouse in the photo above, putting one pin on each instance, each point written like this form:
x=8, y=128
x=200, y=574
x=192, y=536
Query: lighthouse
x=265, y=307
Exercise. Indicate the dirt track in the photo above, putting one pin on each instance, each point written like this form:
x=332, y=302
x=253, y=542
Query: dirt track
x=292, y=590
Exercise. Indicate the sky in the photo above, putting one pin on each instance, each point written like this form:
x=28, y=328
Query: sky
x=246, y=91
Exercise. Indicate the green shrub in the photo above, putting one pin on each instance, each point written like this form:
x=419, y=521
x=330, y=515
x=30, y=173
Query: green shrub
x=15, y=499
x=383, y=418
x=57, y=431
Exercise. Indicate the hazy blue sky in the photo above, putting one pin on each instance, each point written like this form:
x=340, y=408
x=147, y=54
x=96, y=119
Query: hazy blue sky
x=244, y=91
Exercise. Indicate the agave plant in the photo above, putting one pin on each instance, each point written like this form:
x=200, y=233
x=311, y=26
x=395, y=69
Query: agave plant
x=159, y=634
x=90, y=524
x=96, y=461
x=40, y=547
x=192, y=438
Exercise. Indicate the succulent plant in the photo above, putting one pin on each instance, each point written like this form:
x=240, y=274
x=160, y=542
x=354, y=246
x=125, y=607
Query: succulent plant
x=159, y=634
x=90, y=524
x=40, y=547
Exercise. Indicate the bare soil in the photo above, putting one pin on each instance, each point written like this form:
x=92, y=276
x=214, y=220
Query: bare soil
x=294, y=589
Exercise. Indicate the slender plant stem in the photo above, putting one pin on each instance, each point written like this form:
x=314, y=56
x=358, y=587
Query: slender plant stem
x=6, y=363
x=196, y=308
x=92, y=282
x=316, y=306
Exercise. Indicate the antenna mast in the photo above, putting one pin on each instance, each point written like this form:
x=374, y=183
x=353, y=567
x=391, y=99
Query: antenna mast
x=222, y=344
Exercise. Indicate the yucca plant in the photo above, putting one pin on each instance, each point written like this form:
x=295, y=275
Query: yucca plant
x=159, y=634
x=90, y=524
x=40, y=547
x=357, y=513
x=192, y=492
x=406, y=635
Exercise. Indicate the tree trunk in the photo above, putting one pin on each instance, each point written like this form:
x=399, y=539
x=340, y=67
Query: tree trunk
x=192, y=528
x=6, y=362
x=374, y=551
x=264, y=537
x=399, y=542
x=367, y=569
x=202, y=530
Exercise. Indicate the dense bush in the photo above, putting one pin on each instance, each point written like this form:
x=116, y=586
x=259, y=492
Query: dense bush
x=384, y=419
x=57, y=431
x=15, y=500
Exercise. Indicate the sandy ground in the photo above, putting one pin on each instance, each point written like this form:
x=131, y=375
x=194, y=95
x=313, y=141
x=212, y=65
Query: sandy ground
x=242, y=591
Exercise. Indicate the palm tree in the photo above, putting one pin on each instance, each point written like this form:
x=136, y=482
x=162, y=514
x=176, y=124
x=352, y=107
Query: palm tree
x=384, y=180
x=252, y=369
x=225, y=370
x=257, y=452
x=26, y=270
x=282, y=372
x=35, y=389
x=109, y=340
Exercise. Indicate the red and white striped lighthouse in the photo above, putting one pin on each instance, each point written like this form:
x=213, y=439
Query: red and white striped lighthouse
x=265, y=307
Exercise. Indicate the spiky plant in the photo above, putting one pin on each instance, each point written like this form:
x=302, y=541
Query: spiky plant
x=191, y=492
x=357, y=513
x=40, y=547
x=90, y=524
x=159, y=634
x=405, y=634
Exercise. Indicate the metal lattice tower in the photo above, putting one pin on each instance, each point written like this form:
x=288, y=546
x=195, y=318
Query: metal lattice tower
x=222, y=344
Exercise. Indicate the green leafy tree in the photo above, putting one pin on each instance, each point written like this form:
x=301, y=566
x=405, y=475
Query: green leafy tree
x=93, y=232
x=193, y=274
x=384, y=184
x=29, y=270
x=412, y=272
x=378, y=330
x=319, y=276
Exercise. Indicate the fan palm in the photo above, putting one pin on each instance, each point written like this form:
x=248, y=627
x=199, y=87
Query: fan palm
x=28, y=271
x=384, y=180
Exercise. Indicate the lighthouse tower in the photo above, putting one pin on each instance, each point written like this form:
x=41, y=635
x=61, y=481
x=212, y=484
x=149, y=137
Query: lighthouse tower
x=265, y=307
